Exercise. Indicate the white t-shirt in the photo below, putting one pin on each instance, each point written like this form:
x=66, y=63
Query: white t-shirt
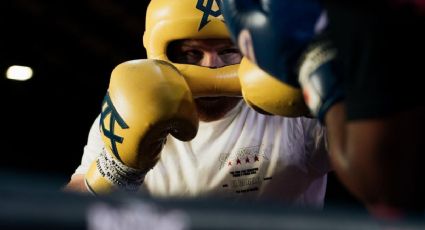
x=243, y=155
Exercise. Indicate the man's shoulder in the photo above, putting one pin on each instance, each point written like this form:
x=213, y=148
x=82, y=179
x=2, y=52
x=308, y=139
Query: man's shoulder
x=305, y=123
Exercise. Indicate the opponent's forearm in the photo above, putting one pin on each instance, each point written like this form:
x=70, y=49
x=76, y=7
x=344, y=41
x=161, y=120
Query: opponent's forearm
x=376, y=160
x=348, y=158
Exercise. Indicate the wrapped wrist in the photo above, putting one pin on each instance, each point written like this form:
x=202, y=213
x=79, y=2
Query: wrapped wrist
x=117, y=174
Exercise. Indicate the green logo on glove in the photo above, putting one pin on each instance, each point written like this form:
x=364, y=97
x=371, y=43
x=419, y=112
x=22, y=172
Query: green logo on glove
x=115, y=119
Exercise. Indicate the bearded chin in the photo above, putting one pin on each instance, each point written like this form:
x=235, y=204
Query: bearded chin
x=214, y=108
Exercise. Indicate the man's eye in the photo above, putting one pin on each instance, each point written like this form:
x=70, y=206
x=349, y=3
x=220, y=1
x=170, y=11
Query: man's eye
x=229, y=51
x=193, y=53
x=230, y=56
x=191, y=57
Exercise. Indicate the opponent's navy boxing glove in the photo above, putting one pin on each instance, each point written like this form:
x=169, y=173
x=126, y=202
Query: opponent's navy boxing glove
x=273, y=34
x=320, y=77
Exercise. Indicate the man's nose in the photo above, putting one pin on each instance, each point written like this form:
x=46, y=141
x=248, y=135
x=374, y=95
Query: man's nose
x=212, y=60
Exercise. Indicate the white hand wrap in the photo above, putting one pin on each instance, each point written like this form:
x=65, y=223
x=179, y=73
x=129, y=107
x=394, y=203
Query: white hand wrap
x=124, y=177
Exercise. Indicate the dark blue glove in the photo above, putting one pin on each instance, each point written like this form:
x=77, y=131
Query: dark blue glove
x=273, y=33
x=320, y=77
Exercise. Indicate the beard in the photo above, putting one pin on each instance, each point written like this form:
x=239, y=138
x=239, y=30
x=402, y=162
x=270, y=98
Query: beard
x=214, y=108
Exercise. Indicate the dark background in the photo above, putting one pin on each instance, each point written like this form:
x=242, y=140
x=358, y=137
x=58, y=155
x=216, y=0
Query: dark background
x=72, y=47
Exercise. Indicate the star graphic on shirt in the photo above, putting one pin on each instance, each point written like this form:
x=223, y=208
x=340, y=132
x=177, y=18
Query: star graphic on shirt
x=256, y=158
x=230, y=163
x=238, y=162
x=247, y=160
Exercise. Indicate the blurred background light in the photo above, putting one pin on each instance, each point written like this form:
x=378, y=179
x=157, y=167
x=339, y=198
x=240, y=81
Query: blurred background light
x=19, y=73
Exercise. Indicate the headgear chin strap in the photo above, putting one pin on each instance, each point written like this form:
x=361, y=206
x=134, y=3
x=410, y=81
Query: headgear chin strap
x=170, y=20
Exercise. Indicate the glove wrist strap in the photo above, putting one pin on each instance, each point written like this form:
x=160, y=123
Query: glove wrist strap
x=318, y=76
x=119, y=174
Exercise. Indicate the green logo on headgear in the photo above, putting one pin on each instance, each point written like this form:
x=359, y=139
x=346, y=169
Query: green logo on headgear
x=207, y=10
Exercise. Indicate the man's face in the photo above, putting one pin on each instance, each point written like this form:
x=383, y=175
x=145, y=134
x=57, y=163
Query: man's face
x=213, y=53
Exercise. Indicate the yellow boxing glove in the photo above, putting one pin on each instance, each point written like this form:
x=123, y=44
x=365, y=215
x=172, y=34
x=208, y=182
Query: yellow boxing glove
x=268, y=95
x=146, y=101
x=207, y=82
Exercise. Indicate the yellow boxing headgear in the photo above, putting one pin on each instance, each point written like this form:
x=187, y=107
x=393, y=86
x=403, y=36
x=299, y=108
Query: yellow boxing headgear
x=170, y=20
